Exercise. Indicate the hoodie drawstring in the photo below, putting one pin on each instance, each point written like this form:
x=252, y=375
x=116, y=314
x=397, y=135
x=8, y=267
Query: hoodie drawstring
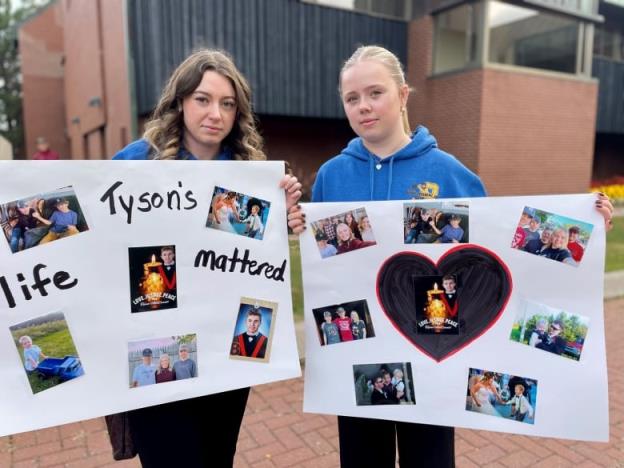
x=371, y=171
x=390, y=179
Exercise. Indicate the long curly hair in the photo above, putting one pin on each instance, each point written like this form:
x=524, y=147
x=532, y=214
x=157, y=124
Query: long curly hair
x=165, y=129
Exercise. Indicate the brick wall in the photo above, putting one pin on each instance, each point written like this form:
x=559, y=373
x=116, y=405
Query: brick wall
x=41, y=54
x=523, y=133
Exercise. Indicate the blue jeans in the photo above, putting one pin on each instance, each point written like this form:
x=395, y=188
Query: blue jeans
x=411, y=236
x=16, y=235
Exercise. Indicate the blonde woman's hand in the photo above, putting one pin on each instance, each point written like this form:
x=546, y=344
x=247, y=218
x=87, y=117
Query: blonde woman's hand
x=296, y=219
x=292, y=187
x=605, y=208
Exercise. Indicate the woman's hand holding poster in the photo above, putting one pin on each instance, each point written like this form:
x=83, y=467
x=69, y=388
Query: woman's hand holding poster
x=483, y=313
x=118, y=277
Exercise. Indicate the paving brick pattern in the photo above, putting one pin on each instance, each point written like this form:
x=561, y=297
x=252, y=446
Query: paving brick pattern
x=276, y=433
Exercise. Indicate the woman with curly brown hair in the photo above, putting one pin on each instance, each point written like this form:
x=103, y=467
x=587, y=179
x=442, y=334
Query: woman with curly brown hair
x=204, y=113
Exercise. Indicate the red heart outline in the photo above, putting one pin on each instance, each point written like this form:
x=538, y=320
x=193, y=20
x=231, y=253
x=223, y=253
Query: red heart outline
x=446, y=254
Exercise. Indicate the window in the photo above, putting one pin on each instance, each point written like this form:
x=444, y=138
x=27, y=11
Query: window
x=609, y=44
x=531, y=38
x=455, y=43
x=394, y=9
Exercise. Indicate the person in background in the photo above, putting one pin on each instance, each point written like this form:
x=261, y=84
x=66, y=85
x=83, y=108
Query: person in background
x=43, y=151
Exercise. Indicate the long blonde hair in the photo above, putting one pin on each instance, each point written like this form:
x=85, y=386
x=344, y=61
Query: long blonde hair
x=165, y=130
x=388, y=60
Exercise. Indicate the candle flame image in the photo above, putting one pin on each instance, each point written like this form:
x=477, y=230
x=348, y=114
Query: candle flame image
x=152, y=285
x=435, y=308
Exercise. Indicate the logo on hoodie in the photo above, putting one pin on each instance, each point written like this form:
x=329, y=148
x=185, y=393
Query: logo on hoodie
x=424, y=190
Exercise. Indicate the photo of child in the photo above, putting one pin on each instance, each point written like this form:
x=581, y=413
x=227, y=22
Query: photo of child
x=384, y=384
x=49, y=356
x=349, y=321
x=41, y=219
x=253, y=332
x=501, y=395
x=551, y=236
x=238, y=213
x=343, y=233
x=435, y=223
x=161, y=360
x=549, y=329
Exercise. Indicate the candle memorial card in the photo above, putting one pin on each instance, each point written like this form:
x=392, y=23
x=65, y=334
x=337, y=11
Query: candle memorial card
x=483, y=313
x=112, y=282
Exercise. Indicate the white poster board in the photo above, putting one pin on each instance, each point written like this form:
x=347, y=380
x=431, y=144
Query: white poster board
x=104, y=301
x=465, y=372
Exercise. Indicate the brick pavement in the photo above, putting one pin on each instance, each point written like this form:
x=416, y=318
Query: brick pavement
x=276, y=433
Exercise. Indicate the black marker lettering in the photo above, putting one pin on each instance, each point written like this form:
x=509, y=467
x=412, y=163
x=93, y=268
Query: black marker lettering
x=59, y=279
x=144, y=198
x=111, y=198
x=157, y=200
x=8, y=295
x=170, y=196
x=189, y=197
x=127, y=207
x=209, y=259
x=40, y=283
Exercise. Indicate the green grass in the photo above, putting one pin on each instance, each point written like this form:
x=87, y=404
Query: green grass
x=615, y=246
x=295, y=279
x=55, y=344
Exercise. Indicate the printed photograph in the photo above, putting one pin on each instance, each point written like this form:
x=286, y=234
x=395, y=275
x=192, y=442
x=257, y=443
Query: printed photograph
x=253, y=331
x=502, y=395
x=161, y=360
x=437, y=304
x=550, y=329
x=41, y=219
x=384, y=384
x=435, y=223
x=349, y=321
x=47, y=351
x=238, y=213
x=551, y=236
x=153, y=282
x=343, y=233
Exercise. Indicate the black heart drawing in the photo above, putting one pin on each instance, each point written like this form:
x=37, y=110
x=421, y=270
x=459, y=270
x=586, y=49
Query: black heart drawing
x=486, y=288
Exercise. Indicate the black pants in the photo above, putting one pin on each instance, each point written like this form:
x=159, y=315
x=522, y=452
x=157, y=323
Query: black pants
x=373, y=442
x=191, y=433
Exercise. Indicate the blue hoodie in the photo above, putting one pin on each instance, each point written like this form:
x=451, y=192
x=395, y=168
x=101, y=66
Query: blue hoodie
x=418, y=170
x=140, y=150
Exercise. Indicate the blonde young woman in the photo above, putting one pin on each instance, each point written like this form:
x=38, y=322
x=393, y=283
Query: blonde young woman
x=385, y=162
x=204, y=113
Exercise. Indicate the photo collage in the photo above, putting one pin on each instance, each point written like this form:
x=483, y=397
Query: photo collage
x=45, y=345
x=438, y=298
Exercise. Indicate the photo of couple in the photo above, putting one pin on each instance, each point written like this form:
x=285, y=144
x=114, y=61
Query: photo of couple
x=162, y=360
x=40, y=219
x=552, y=236
x=501, y=395
x=435, y=223
x=384, y=384
x=238, y=213
x=549, y=329
x=350, y=321
x=343, y=233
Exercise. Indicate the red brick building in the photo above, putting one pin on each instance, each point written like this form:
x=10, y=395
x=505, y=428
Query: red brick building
x=505, y=86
